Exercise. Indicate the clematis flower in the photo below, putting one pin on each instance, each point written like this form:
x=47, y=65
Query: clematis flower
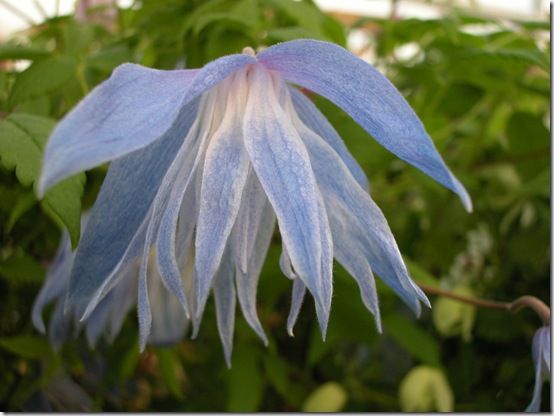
x=169, y=322
x=541, y=359
x=204, y=160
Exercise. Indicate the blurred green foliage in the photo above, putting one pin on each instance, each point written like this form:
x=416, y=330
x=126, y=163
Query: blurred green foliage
x=481, y=87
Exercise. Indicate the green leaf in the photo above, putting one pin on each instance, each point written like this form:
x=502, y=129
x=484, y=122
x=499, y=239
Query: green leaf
x=107, y=59
x=63, y=204
x=419, y=274
x=308, y=17
x=23, y=204
x=413, y=339
x=245, y=385
x=526, y=132
x=223, y=41
x=171, y=370
x=426, y=389
x=42, y=77
x=244, y=13
x=452, y=317
x=27, y=346
x=329, y=397
x=21, y=268
x=22, y=138
x=284, y=34
x=77, y=36
x=277, y=373
x=14, y=51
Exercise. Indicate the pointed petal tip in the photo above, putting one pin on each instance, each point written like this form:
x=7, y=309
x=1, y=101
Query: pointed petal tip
x=195, y=328
x=323, y=324
x=228, y=352
x=40, y=327
x=40, y=188
x=143, y=339
x=425, y=300
x=323, y=310
x=378, y=322
x=262, y=336
x=462, y=193
x=417, y=310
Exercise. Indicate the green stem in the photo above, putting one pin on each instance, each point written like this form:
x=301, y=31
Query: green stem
x=522, y=302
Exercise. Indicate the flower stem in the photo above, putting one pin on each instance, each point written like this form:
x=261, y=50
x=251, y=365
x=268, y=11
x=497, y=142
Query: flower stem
x=522, y=302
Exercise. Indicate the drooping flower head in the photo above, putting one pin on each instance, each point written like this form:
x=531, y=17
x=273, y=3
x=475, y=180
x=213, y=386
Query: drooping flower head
x=203, y=161
x=541, y=359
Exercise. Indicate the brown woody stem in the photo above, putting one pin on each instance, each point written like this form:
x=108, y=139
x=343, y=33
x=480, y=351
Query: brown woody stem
x=522, y=302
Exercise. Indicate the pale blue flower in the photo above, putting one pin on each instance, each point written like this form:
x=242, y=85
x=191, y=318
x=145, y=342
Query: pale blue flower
x=205, y=160
x=169, y=322
x=541, y=359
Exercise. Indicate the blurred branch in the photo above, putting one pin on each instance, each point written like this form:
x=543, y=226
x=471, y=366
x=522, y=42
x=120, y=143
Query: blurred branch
x=40, y=9
x=17, y=12
x=522, y=302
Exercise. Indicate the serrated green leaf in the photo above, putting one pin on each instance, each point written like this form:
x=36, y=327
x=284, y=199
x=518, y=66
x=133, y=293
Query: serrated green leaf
x=42, y=77
x=413, y=339
x=22, y=138
x=19, y=152
x=63, y=204
x=329, y=397
x=23, y=204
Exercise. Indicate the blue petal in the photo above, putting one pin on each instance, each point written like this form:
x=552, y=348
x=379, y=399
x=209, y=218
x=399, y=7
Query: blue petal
x=360, y=231
x=225, y=303
x=121, y=208
x=223, y=180
x=127, y=112
x=143, y=305
x=59, y=327
x=97, y=323
x=285, y=263
x=541, y=360
x=125, y=292
x=57, y=280
x=365, y=94
x=251, y=238
x=298, y=293
x=181, y=183
x=169, y=321
x=168, y=262
x=283, y=167
x=313, y=119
